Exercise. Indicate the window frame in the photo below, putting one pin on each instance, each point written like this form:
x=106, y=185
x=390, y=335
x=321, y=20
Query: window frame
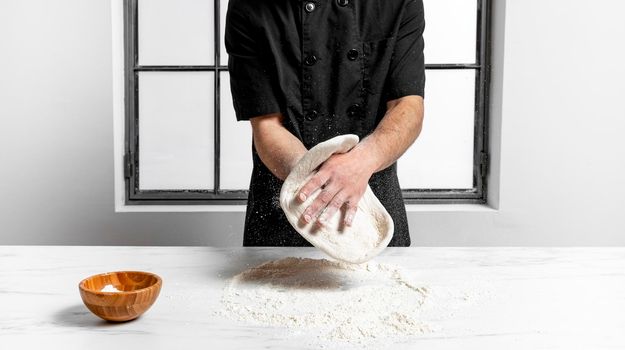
x=135, y=196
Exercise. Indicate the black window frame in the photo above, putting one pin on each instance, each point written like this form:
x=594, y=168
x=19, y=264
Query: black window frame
x=135, y=196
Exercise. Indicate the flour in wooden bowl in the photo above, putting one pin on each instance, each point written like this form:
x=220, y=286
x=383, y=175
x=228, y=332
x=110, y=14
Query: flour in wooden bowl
x=339, y=302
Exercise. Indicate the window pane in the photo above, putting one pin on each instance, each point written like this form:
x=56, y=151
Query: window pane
x=176, y=147
x=223, y=7
x=176, y=32
x=450, y=31
x=442, y=156
x=236, y=143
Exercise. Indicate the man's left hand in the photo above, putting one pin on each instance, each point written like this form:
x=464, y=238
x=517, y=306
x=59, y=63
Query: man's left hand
x=342, y=179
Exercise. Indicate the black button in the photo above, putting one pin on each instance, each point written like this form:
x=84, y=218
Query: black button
x=352, y=54
x=354, y=110
x=312, y=115
x=310, y=6
x=342, y=2
x=310, y=60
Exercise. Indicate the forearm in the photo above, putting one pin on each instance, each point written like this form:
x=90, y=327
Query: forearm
x=398, y=129
x=277, y=148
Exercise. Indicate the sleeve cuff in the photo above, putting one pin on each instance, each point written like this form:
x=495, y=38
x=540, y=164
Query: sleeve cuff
x=245, y=110
x=413, y=88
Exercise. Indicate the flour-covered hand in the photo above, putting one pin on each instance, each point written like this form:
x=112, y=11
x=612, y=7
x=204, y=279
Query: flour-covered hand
x=342, y=180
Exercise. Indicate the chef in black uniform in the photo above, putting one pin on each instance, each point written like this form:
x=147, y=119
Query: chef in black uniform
x=304, y=71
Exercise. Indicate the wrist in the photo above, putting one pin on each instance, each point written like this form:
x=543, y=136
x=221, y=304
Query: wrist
x=367, y=153
x=294, y=158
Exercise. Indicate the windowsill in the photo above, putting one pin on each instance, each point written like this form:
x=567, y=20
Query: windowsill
x=411, y=208
x=241, y=208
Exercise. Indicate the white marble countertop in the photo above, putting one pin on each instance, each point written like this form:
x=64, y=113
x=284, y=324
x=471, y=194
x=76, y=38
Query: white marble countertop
x=538, y=298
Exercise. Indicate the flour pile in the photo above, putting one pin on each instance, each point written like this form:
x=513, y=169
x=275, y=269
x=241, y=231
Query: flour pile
x=337, y=301
x=110, y=288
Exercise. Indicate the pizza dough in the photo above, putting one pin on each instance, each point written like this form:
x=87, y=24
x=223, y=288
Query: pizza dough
x=372, y=226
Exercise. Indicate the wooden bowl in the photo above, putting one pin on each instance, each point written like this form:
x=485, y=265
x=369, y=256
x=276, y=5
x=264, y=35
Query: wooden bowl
x=121, y=295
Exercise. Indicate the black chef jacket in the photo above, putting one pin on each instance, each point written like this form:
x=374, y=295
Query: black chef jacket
x=329, y=66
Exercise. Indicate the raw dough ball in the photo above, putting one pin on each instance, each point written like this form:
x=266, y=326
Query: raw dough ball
x=372, y=227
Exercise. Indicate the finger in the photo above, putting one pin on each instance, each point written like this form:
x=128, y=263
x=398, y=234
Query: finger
x=335, y=204
x=316, y=182
x=320, y=203
x=350, y=213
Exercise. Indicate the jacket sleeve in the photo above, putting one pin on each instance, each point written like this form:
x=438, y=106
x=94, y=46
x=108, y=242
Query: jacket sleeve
x=406, y=74
x=253, y=81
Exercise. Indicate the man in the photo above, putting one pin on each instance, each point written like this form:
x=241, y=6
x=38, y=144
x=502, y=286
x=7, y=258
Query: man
x=304, y=71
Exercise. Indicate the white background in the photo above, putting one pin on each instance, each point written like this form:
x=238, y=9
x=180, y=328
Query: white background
x=557, y=125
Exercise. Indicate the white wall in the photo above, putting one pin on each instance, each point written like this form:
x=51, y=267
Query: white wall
x=56, y=136
x=557, y=116
x=559, y=95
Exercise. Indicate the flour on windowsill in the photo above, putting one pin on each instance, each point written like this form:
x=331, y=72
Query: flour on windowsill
x=356, y=304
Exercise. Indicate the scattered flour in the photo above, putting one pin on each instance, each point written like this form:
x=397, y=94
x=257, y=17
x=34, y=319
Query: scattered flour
x=355, y=304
